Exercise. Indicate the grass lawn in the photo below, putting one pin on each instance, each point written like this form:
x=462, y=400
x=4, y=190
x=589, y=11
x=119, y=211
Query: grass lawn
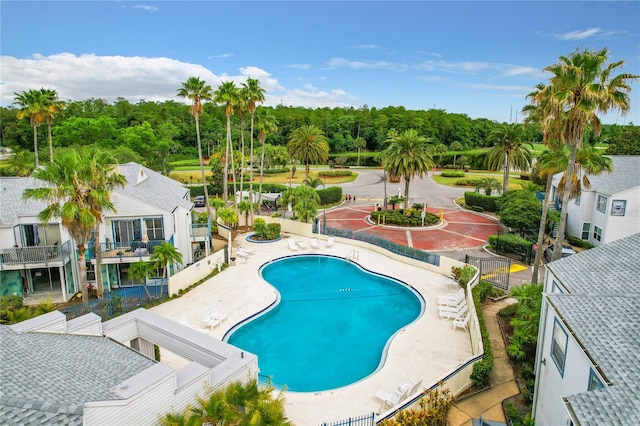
x=193, y=176
x=514, y=178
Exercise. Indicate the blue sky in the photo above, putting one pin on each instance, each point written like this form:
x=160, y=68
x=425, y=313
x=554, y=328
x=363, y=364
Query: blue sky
x=477, y=58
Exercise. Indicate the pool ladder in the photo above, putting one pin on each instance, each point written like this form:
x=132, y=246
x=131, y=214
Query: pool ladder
x=352, y=255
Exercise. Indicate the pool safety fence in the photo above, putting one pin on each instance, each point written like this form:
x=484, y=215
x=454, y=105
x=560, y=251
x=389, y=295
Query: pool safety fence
x=365, y=420
x=119, y=301
x=410, y=252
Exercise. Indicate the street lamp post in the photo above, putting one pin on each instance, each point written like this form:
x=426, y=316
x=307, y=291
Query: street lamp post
x=385, y=188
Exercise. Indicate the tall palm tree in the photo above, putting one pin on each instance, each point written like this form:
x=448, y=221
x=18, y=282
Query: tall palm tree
x=584, y=85
x=308, y=144
x=104, y=181
x=165, y=254
x=254, y=94
x=198, y=91
x=32, y=104
x=71, y=194
x=407, y=155
x=266, y=124
x=227, y=94
x=509, y=151
x=53, y=107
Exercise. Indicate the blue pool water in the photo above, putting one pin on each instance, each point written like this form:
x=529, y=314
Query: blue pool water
x=331, y=326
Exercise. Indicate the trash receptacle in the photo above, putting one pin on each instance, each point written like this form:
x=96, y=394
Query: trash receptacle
x=233, y=261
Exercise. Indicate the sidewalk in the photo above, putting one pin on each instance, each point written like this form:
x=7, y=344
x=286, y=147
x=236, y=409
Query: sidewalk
x=488, y=404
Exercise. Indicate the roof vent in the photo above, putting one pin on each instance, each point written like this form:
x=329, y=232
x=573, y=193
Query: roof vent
x=142, y=176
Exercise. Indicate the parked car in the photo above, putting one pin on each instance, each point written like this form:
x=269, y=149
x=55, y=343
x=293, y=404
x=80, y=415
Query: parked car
x=199, y=201
x=567, y=250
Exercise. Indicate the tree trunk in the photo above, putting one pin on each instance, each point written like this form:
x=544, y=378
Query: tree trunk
x=35, y=143
x=406, y=192
x=50, y=142
x=204, y=180
x=557, y=248
x=261, y=173
x=225, y=180
x=251, y=171
x=83, y=273
x=543, y=225
x=505, y=180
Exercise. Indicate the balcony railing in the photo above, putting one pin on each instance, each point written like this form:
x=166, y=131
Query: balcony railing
x=199, y=230
x=34, y=255
x=126, y=249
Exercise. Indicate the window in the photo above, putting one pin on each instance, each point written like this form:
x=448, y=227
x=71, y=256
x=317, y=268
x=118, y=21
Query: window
x=555, y=288
x=155, y=230
x=618, y=207
x=602, y=204
x=559, y=346
x=126, y=231
x=597, y=233
x=578, y=200
x=586, y=227
x=594, y=381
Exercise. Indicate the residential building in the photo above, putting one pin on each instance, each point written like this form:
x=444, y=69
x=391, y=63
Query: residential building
x=610, y=208
x=36, y=259
x=85, y=372
x=588, y=354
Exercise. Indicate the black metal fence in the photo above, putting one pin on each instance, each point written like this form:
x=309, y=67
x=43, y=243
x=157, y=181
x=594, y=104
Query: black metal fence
x=410, y=252
x=365, y=420
x=119, y=301
x=496, y=270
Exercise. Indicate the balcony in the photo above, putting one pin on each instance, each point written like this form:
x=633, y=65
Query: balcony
x=35, y=256
x=126, y=249
x=200, y=231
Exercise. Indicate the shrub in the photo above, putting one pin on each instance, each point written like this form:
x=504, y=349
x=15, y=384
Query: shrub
x=482, y=369
x=577, y=242
x=477, y=209
x=453, y=174
x=467, y=182
x=335, y=173
x=510, y=243
x=488, y=203
x=330, y=195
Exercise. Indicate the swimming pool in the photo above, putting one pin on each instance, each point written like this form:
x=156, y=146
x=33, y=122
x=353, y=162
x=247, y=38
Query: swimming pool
x=331, y=325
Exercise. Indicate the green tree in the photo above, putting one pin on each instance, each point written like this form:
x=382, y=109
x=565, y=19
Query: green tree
x=228, y=95
x=627, y=143
x=509, y=151
x=361, y=144
x=254, y=94
x=165, y=254
x=488, y=184
x=584, y=84
x=519, y=209
x=526, y=321
x=456, y=147
x=139, y=271
x=308, y=144
x=53, y=107
x=198, y=91
x=407, y=155
x=32, y=104
x=71, y=193
x=266, y=123
x=21, y=163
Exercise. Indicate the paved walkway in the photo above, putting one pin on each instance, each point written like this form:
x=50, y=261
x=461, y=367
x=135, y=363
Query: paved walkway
x=488, y=404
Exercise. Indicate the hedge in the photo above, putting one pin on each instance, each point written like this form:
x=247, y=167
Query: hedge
x=335, y=173
x=330, y=195
x=487, y=202
x=510, y=243
x=452, y=174
x=482, y=369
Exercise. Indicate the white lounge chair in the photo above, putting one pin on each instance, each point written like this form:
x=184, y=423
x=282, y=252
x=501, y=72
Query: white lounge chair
x=461, y=322
x=302, y=244
x=184, y=321
x=241, y=254
x=391, y=398
x=451, y=300
x=293, y=246
x=329, y=242
x=208, y=320
x=314, y=243
x=452, y=312
x=217, y=314
x=246, y=250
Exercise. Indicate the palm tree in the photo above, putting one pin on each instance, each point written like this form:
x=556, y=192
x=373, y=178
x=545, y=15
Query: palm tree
x=227, y=94
x=488, y=184
x=509, y=151
x=32, y=104
x=139, y=271
x=304, y=201
x=308, y=144
x=71, y=194
x=407, y=155
x=583, y=84
x=198, y=91
x=103, y=182
x=266, y=124
x=163, y=255
x=361, y=143
x=53, y=107
x=456, y=147
x=21, y=163
x=254, y=94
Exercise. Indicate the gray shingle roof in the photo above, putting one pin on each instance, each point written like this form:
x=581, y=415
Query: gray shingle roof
x=613, y=268
x=11, y=204
x=626, y=175
x=603, y=313
x=36, y=390
x=157, y=190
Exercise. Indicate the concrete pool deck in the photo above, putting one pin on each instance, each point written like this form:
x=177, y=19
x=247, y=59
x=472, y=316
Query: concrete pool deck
x=427, y=349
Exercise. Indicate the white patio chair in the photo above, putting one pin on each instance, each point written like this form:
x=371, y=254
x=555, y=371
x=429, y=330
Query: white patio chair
x=329, y=242
x=452, y=312
x=208, y=320
x=314, y=243
x=184, y=321
x=462, y=322
x=451, y=299
x=391, y=398
x=293, y=246
x=302, y=244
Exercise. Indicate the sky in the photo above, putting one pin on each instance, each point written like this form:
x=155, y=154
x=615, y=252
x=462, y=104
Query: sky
x=479, y=58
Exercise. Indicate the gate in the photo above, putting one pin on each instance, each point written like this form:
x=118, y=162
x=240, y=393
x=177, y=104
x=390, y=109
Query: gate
x=492, y=269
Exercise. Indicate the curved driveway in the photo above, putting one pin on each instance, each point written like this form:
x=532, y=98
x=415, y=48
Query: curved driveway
x=462, y=229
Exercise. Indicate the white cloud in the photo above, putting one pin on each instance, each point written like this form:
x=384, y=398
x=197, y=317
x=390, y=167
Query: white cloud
x=335, y=63
x=367, y=46
x=579, y=35
x=303, y=67
x=146, y=7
